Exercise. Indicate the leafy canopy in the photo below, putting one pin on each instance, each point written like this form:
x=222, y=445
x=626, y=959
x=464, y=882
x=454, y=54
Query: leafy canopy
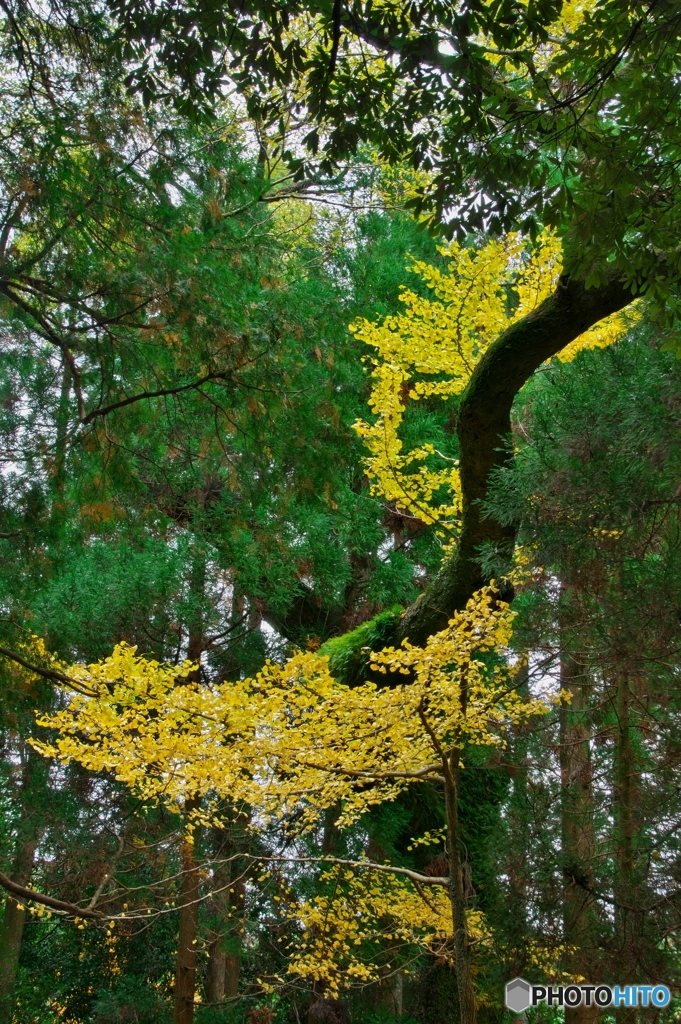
x=523, y=114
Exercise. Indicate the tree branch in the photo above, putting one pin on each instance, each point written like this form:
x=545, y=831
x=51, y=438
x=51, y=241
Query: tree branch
x=61, y=906
x=46, y=673
x=430, y=773
x=105, y=410
x=414, y=876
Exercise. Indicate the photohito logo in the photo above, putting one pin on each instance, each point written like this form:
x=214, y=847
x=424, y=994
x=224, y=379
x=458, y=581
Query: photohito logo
x=520, y=995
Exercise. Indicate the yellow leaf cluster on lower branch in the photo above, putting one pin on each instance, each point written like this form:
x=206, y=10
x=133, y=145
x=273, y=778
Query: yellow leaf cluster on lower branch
x=293, y=742
x=366, y=913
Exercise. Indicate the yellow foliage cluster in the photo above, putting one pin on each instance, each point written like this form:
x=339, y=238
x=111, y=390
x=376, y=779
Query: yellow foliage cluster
x=430, y=350
x=293, y=739
x=364, y=913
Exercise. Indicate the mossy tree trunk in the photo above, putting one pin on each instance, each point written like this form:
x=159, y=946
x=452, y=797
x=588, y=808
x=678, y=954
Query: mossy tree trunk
x=484, y=428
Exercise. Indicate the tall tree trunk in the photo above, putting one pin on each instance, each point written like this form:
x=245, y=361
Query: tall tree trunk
x=12, y=927
x=233, y=958
x=628, y=923
x=185, y=965
x=14, y=917
x=625, y=787
x=577, y=826
x=217, y=968
x=232, y=974
x=224, y=962
x=515, y=851
x=464, y=977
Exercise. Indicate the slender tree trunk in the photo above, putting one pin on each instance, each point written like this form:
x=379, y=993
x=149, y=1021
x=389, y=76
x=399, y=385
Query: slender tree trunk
x=232, y=974
x=224, y=964
x=12, y=927
x=217, y=958
x=185, y=966
x=464, y=978
x=216, y=970
x=14, y=917
x=577, y=829
x=628, y=923
x=222, y=976
x=625, y=787
x=518, y=820
x=62, y=429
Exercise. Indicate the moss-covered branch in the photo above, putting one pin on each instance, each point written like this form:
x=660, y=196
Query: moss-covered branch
x=484, y=425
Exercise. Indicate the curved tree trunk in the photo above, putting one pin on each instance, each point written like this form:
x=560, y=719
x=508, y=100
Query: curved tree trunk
x=484, y=426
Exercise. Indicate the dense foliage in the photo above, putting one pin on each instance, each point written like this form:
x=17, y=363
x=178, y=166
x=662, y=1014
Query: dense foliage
x=338, y=651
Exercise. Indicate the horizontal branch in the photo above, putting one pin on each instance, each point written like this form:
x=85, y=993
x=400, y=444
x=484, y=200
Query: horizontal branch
x=414, y=876
x=105, y=410
x=60, y=906
x=68, y=909
x=431, y=771
x=46, y=673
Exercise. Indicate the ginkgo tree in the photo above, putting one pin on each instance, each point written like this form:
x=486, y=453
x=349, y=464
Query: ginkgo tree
x=293, y=739
x=430, y=351
x=293, y=742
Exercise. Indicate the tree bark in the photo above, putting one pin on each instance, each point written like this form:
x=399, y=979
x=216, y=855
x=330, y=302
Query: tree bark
x=14, y=917
x=219, y=915
x=578, y=843
x=515, y=863
x=12, y=927
x=185, y=965
x=232, y=974
x=224, y=962
x=629, y=925
x=464, y=977
x=216, y=971
x=484, y=427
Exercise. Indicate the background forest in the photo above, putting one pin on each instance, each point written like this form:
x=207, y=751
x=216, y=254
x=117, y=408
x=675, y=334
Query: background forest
x=340, y=577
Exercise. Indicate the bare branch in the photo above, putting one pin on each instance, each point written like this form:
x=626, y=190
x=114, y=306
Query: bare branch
x=370, y=865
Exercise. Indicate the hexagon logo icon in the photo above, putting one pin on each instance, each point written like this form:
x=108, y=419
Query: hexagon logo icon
x=518, y=995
